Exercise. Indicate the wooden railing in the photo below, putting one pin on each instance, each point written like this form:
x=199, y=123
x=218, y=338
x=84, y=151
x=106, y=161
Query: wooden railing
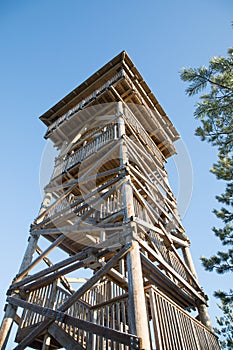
x=78, y=310
x=102, y=293
x=40, y=297
x=140, y=211
x=130, y=118
x=109, y=309
x=174, y=329
x=107, y=134
x=168, y=255
x=78, y=207
x=105, y=305
x=101, y=319
x=94, y=145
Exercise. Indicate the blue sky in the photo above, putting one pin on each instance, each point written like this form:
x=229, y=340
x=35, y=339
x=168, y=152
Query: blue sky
x=50, y=47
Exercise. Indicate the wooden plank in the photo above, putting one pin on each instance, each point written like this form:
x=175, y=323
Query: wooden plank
x=110, y=301
x=64, y=338
x=63, y=279
x=155, y=318
x=48, y=279
x=78, y=229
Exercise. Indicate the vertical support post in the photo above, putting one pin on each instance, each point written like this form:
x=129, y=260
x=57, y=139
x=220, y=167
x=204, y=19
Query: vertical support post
x=46, y=342
x=203, y=314
x=30, y=250
x=189, y=261
x=52, y=299
x=93, y=339
x=44, y=205
x=138, y=320
x=121, y=131
x=127, y=192
x=10, y=310
x=204, y=317
x=46, y=202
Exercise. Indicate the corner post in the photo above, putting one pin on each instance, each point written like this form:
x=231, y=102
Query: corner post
x=138, y=320
x=10, y=310
x=189, y=261
x=204, y=317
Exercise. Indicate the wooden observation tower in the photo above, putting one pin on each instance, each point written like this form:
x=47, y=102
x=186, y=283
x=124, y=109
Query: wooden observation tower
x=109, y=216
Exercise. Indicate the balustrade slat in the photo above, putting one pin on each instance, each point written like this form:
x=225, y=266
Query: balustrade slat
x=175, y=329
x=86, y=150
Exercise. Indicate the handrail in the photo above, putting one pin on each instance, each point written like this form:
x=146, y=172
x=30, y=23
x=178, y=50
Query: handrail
x=135, y=122
x=108, y=206
x=86, y=150
x=178, y=324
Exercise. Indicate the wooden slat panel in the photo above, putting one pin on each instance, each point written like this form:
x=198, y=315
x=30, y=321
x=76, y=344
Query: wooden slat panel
x=174, y=329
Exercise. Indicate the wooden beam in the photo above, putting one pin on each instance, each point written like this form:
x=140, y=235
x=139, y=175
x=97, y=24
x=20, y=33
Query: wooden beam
x=49, y=279
x=138, y=319
x=197, y=294
x=64, y=195
x=163, y=282
x=68, y=342
x=52, y=315
x=118, y=277
x=39, y=258
x=47, y=271
x=140, y=141
x=134, y=149
x=171, y=270
x=84, y=179
x=99, y=161
x=80, y=200
x=92, y=204
x=63, y=279
x=77, y=229
x=62, y=237
x=158, y=192
x=73, y=298
x=10, y=311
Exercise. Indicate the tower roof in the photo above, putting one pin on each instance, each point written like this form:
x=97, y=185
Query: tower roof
x=117, y=80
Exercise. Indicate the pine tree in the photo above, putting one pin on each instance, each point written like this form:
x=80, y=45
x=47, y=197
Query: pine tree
x=214, y=110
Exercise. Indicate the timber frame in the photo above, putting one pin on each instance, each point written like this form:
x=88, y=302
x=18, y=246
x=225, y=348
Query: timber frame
x=108, y=208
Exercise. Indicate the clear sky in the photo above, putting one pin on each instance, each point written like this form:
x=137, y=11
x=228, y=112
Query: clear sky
x=50, y=47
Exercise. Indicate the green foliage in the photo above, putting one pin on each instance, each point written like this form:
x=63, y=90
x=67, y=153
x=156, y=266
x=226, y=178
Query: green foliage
x=226, y=321
x=214, y=110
